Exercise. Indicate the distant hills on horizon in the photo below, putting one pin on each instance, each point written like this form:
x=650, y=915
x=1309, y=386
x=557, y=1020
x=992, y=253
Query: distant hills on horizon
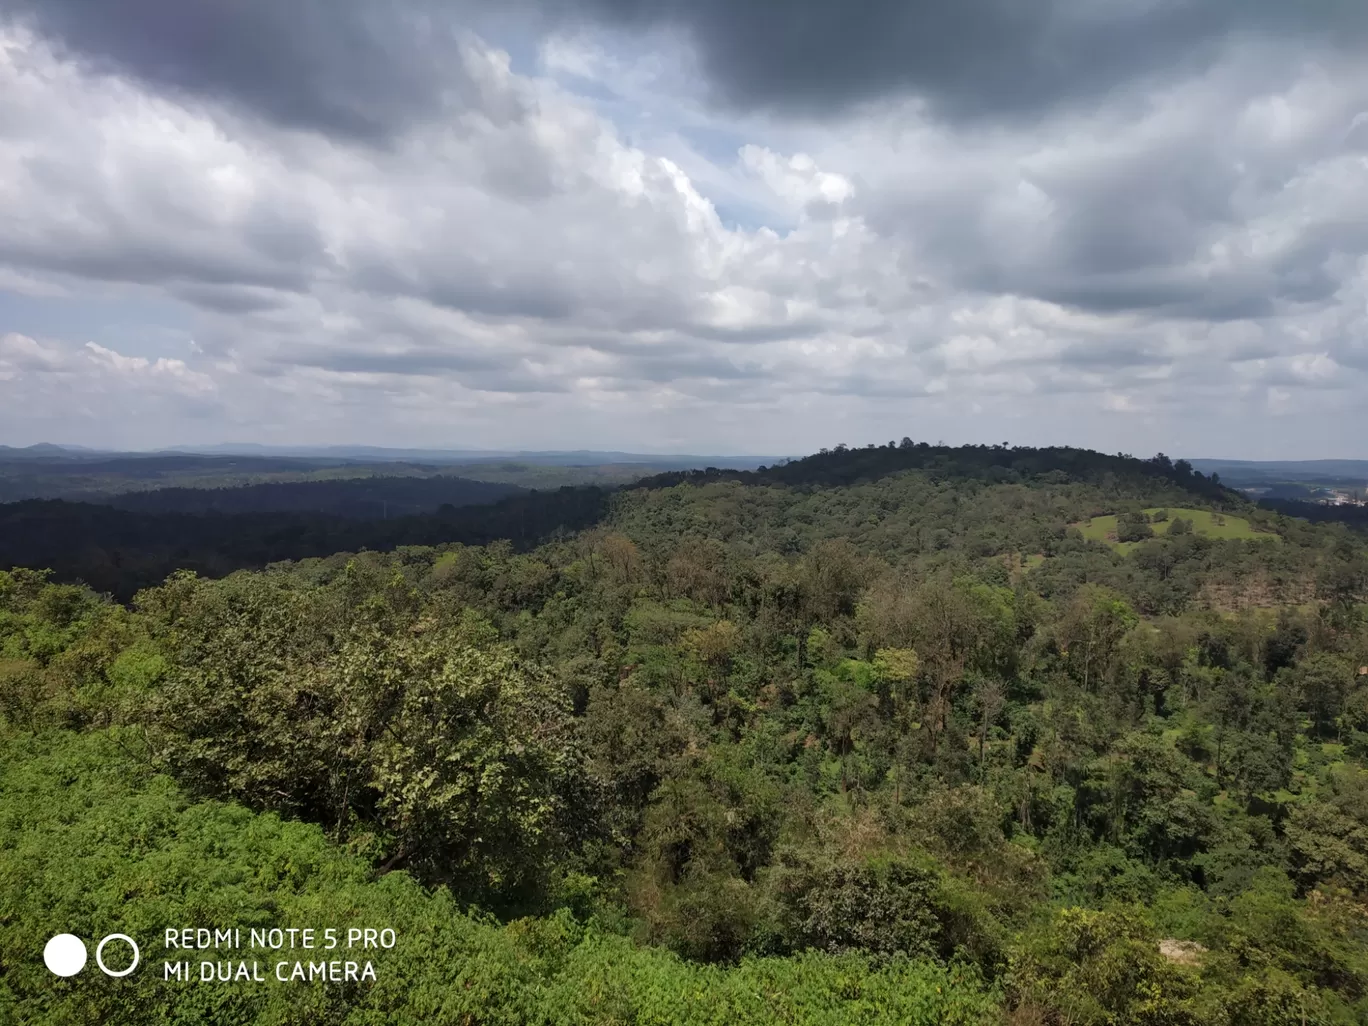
x=369, y=453
x=1309, y=470
x=1231, y=470
x=123, y=522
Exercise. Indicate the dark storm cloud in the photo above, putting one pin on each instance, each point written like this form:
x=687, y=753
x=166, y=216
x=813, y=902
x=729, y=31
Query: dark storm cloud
x=1134, y=227
x=968, y=57
x=344, y=66
x=366, y=69
x=1301, y=275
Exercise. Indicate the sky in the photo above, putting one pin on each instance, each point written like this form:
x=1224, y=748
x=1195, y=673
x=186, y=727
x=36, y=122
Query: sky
x=686, y=225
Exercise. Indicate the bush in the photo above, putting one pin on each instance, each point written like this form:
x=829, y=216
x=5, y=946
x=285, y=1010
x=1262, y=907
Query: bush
x=459, y=762
x=1103, y=967
x=1132, y=527
x=91, y=842
x=883, y=906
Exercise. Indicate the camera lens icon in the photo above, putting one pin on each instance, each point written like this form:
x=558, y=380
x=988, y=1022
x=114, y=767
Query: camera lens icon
x=65, y=955
x=99, y=953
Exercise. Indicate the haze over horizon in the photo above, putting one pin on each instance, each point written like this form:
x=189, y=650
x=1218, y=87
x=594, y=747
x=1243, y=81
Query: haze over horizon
x=685, y=228
x=536, y=455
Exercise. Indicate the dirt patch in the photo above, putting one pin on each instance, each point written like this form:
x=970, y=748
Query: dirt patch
x=1182, y=952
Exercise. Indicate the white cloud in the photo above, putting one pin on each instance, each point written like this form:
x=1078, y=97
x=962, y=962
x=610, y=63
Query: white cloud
x=797, y=178
x=162, y=372
x=21, y=355
x=521, y=269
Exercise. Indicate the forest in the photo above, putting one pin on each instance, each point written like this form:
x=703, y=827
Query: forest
x=211, y=479
x=895, y=734
x=364, y=498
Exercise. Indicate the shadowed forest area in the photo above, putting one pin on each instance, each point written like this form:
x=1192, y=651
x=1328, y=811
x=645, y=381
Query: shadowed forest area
x=905, y=733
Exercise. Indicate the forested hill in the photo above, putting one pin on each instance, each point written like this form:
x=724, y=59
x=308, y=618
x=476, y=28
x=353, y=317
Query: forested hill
x=976, y=501
x=1072, y=739
x=992, y=463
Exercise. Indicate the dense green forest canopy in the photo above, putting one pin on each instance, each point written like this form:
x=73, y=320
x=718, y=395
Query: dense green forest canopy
x=879, y=735
x=362, y=498
x=121, y=550
x=994, y=463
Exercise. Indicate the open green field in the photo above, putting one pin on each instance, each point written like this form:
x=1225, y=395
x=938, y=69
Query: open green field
x=1204, y=522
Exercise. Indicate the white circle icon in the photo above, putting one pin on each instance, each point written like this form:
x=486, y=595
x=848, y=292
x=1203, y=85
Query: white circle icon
x=65, y=954
x=99, y=951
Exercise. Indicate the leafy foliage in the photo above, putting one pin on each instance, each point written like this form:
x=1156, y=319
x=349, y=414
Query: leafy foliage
x=800, y=745
x=91, y=841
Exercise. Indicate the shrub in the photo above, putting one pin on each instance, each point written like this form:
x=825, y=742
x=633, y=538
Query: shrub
x=1131, y=527
x=91, y=842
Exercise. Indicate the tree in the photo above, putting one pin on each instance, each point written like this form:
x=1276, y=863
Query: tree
x=990, y=698
x=621, y=557
x=833, y=577
x=1090, y=632
x=1132, y=527
x=714, y=645
x=879, y=905
x=460, y=763
x=697, y=569
x=945, y=631
x=1324, y=682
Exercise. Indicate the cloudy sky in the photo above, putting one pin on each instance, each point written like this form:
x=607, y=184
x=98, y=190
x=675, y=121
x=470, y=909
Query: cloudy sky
x=686, y=225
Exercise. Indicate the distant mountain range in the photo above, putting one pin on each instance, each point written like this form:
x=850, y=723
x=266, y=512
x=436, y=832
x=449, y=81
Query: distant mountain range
x=1285, y=470
x=45, y=450
x=1233, y=472
x=557, y=457
x=375, y=454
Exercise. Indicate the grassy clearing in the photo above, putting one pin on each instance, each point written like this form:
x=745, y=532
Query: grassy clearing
x=1204, y=522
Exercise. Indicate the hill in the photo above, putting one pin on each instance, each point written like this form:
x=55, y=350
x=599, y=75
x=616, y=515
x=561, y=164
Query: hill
x=82, y=475
x=1284, y=470
x=903, y=502
x=53, y=473
x=1288, y=479
x=999, y=464
x=439, y=457
x=877, y=735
